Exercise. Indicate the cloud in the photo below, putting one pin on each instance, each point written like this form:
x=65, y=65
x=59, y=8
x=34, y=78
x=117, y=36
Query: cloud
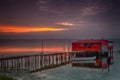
x=21, y=29
x=95, y=7
x=65, y=24
x=64, y=6
x=45, y=6
x=72, y=23
x=92, y=10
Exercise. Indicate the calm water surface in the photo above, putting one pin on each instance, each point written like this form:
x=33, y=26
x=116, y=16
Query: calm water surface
x=36, y=46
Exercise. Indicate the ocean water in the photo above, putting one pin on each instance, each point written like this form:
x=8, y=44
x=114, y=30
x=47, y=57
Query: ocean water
x=17, y=47
x=66, y=72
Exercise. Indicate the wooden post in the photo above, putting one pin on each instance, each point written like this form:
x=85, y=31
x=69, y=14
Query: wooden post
x=57, y=59
x=61, y=58
x=41, y=60
x=28, y=65
x=4, y=64
x=65, y=58
x=12, y=63
x=16, y=62
x=35, y=63
x=0, y=64
x=44, y=61
x=38, y=62
x=52, y=59
x=48, y=60
x=32, y=63
x=20, y=63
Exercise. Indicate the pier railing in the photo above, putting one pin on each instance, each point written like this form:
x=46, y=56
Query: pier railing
x=34, y=62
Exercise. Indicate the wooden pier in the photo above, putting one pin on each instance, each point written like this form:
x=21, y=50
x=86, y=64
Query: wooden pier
x=34, y=63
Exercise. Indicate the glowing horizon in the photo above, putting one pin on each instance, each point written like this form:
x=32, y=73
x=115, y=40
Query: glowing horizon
x=22, y=29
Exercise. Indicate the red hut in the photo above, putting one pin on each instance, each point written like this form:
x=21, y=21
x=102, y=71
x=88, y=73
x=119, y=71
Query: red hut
x=92, y=51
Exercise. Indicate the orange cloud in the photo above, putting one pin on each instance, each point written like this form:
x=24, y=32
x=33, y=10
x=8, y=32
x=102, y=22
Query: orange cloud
x=22, y=29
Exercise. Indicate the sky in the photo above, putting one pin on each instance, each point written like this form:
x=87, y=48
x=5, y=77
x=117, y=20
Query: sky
x=59, y=19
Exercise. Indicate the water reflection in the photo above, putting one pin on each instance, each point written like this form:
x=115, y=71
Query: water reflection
x=33, y=46
x=53, y=49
